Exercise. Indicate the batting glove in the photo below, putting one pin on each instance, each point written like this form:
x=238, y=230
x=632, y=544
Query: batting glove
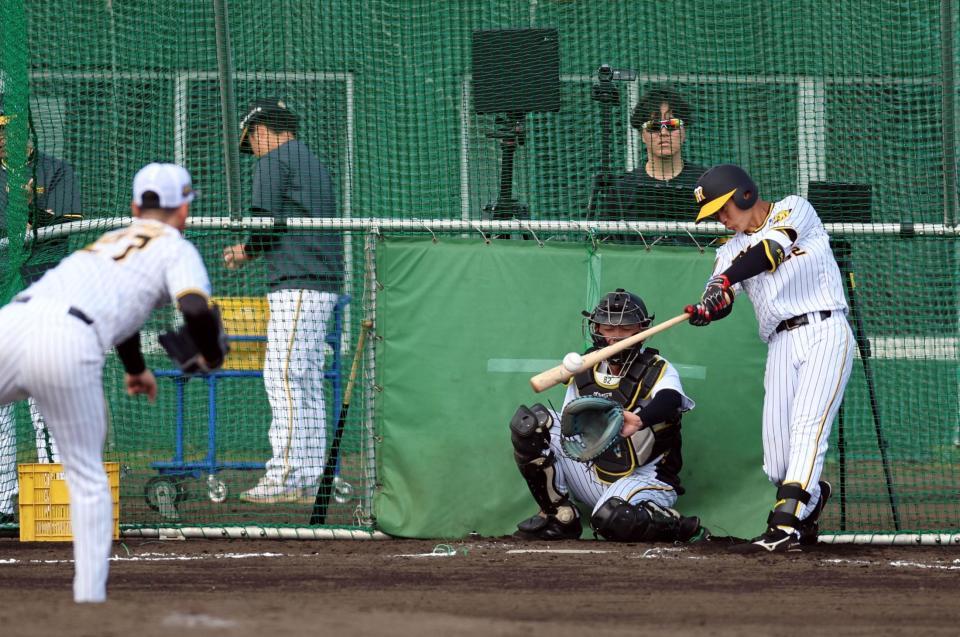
x=698, y=315
x=717, y=296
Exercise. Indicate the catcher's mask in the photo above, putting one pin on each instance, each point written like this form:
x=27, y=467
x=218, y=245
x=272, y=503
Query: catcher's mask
x=618, y=308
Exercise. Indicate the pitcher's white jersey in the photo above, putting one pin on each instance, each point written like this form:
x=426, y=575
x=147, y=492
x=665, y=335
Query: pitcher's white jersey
x=807, y=281
x=121, y=277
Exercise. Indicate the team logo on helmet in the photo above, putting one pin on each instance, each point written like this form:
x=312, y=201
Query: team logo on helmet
x=698, y=194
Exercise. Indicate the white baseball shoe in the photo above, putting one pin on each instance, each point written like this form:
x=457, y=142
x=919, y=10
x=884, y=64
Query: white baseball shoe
x=270, y=492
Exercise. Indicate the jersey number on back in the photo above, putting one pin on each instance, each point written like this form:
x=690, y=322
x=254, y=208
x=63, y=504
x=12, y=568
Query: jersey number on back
x=118, y=246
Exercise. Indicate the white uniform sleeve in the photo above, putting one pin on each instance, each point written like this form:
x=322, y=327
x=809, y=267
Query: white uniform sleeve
x=670, y=379
x=186, y=273
x=570, y=395
x=798, y=222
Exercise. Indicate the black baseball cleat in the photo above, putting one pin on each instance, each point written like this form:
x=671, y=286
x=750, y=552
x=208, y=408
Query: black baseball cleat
x=774, y=540
x=700, y=535
x=809, y=528
x=689, y=529
x=549, y=528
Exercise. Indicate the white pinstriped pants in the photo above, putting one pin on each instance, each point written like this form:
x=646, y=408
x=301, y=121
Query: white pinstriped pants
x=293, y=378
x=57, y=358
x=807, y=372
x=580, y=480
x=47, y=450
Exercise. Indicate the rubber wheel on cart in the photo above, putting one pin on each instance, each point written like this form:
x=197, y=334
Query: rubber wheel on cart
x=163, y=492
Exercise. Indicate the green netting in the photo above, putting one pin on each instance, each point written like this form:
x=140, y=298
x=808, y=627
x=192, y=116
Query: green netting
x=858, y=92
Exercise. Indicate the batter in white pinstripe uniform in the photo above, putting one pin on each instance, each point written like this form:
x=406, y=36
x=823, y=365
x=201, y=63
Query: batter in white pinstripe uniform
x=54, y=335
x=632, y=486
x=780, y=257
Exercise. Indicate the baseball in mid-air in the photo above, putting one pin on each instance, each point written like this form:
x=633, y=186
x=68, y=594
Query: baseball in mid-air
x=572, y=361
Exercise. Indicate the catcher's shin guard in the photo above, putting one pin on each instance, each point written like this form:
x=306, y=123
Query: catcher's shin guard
x=530, y=434
x=620, y=521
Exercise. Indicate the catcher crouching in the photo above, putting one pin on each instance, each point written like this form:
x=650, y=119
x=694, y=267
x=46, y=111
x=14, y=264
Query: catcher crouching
x=616, y=445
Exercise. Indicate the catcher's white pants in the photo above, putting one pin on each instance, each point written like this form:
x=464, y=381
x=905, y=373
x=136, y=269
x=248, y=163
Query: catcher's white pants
x=57, y=358
x=580, y=480
x=293, y=378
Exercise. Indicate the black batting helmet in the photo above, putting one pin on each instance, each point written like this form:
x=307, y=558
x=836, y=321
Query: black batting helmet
x=618, y=308
x=721, y=183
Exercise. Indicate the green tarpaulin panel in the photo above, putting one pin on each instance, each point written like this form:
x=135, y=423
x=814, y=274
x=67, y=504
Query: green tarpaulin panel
x=463, y=326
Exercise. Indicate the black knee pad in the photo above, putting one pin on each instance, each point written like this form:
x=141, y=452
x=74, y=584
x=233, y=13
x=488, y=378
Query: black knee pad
x=530, y=432
x=620, y=521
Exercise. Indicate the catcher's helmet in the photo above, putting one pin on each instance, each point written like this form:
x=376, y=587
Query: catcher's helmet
x=721, y=183
x=618, y=308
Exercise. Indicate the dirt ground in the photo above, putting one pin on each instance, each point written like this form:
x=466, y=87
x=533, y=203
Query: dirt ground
x=482, y=586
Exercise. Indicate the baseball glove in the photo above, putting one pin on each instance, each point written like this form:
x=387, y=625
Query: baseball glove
x=588, y=426
x=181, y=348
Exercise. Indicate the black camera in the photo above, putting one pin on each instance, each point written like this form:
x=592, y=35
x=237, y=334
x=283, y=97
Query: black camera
x=606, y=73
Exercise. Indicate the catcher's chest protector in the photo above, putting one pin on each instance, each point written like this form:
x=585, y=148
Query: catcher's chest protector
x=636, y=383
x=622, y=458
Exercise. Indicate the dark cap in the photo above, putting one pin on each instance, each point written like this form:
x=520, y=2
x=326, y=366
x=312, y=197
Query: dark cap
x=720, y=184
x=272, y=112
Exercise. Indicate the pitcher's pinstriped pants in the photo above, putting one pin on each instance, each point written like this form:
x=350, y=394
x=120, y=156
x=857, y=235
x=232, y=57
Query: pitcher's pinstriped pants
x=58, y=359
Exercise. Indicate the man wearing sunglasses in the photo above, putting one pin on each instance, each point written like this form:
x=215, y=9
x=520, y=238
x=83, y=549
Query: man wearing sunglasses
x=664, y=180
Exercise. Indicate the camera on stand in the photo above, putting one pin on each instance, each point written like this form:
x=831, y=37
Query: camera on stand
x=515, y=72
x=607, y=94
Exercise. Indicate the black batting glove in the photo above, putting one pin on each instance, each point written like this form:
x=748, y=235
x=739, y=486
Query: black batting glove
x=717, y=296
x=698, y=315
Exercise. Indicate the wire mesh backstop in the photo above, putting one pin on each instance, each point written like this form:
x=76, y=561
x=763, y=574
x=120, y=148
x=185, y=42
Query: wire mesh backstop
x=501, y=120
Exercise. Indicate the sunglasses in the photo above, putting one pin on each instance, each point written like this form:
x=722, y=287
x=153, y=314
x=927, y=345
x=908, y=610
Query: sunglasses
x=671, y=124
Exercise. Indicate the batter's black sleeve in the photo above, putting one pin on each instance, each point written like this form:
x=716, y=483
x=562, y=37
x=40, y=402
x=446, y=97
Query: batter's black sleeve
x=203, y=326
x=662, y=407
x=766, y=256
x=130, y=355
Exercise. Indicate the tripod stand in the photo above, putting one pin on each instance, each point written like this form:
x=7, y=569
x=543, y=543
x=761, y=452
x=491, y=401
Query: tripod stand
x=606, y=93
x=511, y=131
x=842, y=252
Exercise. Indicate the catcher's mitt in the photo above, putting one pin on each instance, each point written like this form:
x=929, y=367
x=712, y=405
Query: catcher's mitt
x=588, y=426
x=181, y=348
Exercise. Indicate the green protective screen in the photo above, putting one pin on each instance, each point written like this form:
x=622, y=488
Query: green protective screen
x=464, y=325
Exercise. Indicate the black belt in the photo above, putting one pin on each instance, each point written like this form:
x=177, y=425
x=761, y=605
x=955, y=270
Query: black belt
x=798, y=321
x=73, y=311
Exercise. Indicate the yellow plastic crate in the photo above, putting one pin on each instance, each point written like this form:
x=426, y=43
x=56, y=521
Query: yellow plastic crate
x=245, y=316
x=45, y=502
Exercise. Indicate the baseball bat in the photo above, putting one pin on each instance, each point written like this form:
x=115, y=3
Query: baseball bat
x=325, y=490
x=560, y=374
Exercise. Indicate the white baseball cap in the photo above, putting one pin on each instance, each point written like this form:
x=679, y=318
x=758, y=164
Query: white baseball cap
x=170, y=182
